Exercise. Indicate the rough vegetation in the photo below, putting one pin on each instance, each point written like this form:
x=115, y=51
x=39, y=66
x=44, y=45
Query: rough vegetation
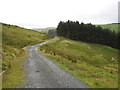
x=96, y=65
x=14, y=42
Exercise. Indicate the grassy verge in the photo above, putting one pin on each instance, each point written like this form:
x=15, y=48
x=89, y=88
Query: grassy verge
x=13, y=59
x=14, y=41
x=96, y=65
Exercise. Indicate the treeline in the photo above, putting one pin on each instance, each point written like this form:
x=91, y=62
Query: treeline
x=88, y=33
x=52, y=32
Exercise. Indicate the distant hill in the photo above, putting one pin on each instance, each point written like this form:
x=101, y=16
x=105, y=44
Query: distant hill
x=49, y=30
x=113, y=26
x=52, y=30
x=45, y=30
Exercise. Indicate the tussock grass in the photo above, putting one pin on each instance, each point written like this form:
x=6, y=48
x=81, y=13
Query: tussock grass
x=14, y=41
x=12, y=63
x=91, y=63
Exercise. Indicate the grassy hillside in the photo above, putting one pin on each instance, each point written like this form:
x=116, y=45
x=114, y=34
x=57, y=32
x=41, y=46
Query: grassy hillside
x=14, y=41
x=45, y=30
x=96, y=65
x=113, y=27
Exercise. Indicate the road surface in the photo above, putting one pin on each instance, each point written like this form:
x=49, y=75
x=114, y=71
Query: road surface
x=43, y=73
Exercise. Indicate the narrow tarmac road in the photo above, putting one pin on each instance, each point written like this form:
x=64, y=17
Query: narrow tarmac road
x=42, y=73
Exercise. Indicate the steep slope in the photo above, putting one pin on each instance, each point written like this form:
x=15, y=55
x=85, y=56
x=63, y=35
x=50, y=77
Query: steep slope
x=14, y=41
x=96, y=65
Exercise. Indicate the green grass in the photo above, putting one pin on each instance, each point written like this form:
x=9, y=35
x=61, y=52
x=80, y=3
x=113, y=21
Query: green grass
x=12, y=63
x=45, y=30
x=91, y=63
x=14, y=42
x=113, y=27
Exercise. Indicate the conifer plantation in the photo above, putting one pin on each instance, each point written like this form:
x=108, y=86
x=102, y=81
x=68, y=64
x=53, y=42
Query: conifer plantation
x=88, y=33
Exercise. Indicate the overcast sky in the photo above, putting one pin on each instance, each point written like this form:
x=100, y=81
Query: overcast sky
x=48, y=13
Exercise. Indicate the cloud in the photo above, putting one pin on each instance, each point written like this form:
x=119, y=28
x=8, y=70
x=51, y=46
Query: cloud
x=46, y=13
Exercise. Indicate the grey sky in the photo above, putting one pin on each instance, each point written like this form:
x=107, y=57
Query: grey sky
x=48, y=13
